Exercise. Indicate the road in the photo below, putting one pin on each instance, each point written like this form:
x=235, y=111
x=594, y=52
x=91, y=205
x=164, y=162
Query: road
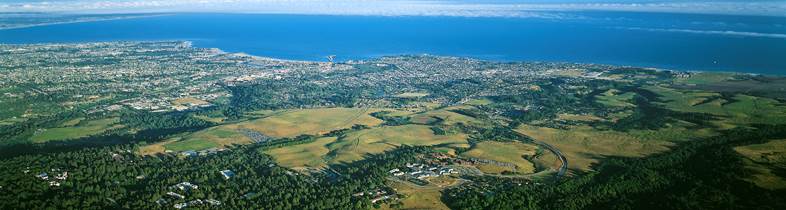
x=564, y=167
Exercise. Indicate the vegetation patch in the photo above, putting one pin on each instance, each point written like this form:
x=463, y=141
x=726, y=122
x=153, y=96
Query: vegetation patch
x=764, y=160
x=189, y=101
x=705, y=78
x=443, y=116
x=479, y=102
x=303, y=155
x=505, y=152
x=585, y=145
x=80, y=130
x=205, y=139
x=615, y=98
x=418, y=197
x=309, y=121
x=737, y=110
x=191, y=144
x=412, y=95
x=579, y=117
x=354, y=146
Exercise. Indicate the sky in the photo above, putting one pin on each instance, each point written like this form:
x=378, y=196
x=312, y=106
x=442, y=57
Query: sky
x=468, y=8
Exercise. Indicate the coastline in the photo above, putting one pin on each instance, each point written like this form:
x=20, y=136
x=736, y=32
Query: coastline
x=83, y=21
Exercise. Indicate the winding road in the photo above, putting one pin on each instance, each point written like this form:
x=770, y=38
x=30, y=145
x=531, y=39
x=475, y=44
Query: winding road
x=564, y=167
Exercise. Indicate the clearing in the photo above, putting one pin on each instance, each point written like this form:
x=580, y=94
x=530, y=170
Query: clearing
x=380, y=139
x=764, y=159
x=310, y=121
x=585, y=145
x=506, y=152
x=303, y=155
x=79, y=129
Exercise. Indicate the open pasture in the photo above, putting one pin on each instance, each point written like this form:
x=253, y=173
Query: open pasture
x=584, y=145
x=309, y=121
x=76, y=130
x=380, y=139
x=764, y=160
x=303, y=155
x=505, y=152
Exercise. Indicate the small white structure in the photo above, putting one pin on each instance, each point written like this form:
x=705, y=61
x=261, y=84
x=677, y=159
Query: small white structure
x=227, y=174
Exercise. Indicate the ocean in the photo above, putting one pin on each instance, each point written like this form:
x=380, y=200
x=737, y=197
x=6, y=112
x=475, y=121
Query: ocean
x=751, y=44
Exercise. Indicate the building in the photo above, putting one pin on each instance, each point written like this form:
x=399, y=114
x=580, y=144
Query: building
x=43, y=176
x=189, y=153
x=227, y=174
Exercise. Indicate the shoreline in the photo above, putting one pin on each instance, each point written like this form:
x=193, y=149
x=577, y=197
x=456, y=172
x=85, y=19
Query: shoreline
x=191, y=44
x=82, y=21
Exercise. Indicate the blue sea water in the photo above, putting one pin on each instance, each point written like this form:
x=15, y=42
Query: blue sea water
x=673, y=41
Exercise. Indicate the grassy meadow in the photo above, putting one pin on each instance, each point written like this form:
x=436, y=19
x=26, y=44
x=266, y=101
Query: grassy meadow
x=739, y=110
x=309, y=121
x=303, y=155
x=764, y=160
x=585, y=145
x=418, y=197
x=380, y=139
x=506, y=152
x=75, y=129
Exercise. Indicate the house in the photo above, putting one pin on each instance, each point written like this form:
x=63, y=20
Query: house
x=161, y=201
x=227, y=174
x=375, y=200
x=213, y=202
x=189, y=153
x=195, y=202
x=43, y=176
x=180, y=205
x=178, y=196
x=186, y=186
x=62, y=176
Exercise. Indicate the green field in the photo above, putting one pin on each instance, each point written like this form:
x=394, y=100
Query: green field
x=705, y=78
x=585, y=145
x=205, y=139
x=506, y=152
x=79, y=130
x=277, y=124
x=303, y=155
x=191, y=144
x=614, y=98
x=412, y=95
x=309, y=121
x=380, y=139
x=355, y=145
x=479, y=102
x=446, y=117
x=764, y=160
x=73, y=122
x=741, y=110
x=418, y=197
x=580, y=118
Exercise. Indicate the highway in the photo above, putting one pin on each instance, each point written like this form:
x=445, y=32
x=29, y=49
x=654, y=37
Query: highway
x=564, y=167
